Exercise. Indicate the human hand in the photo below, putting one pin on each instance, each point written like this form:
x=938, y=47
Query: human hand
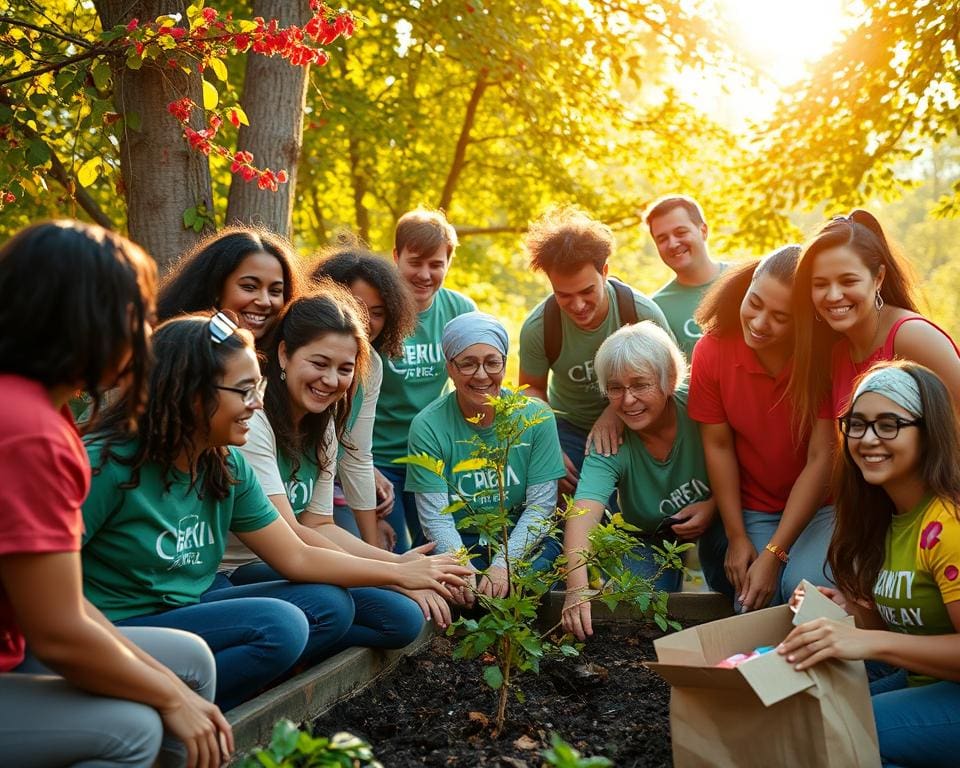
x=434, y=607
x=606, y=433
x=740, y=553
x=693, y=520
x=568, y=484
x=834, y=594
x=418, y=553
x=760, y=582
x=439, y=573
x=385, y=494
x=576, y=611
x=386, y=536
x=820, y=639
x=202, y=728
x=494, y=582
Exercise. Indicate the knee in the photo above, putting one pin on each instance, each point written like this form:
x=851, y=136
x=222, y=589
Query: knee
x=283, y=629
x=136, y=733
x=406, y=625
x=333, y=608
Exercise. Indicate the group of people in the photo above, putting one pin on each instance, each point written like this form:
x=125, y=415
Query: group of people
x=234, y=510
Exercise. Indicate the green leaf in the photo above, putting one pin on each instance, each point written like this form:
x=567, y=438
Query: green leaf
x=101, y=75
x=132, y=121
x=38, y=152
x=210, y=96
x=284, y=738
x=189, y=218
x=89, y=171
x=454, y=506
x=493, y=677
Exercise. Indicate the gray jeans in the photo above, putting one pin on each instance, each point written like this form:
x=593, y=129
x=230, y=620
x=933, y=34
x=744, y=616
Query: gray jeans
x=46, y=722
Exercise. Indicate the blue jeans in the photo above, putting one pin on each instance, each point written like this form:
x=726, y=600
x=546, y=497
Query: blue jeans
x=668, y=581
x=808, y=555
x=254, y=639
x=919, y=726
x=378, y=618
x=344, y=518
x=403, y=518
x=573, y=442
x=548, y=551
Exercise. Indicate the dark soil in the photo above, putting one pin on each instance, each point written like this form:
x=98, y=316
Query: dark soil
x=435, y=711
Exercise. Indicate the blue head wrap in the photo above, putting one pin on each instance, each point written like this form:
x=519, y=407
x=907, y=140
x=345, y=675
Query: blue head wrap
x=473, y=328
x=896, y=385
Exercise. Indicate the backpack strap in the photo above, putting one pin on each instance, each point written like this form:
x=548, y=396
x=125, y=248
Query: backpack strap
x=552, y=330
x=625, y=303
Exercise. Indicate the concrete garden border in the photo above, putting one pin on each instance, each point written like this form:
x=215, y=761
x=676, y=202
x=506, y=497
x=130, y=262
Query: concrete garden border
x=311, y=693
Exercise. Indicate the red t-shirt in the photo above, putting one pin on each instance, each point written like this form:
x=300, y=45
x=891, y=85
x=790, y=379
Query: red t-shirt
x=728, y=385
x=44, y=478
x=844, y=372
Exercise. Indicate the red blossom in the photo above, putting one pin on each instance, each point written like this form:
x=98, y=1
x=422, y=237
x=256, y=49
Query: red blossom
x=177, y=33
x=210, y=15
x=234, y=118
x=215, y=122
x=248, y=173
x=180, y=109
x=282, y=176
x=9, y=197
x=133, y=25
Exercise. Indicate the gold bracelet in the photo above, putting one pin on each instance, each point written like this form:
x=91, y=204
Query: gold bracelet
x=778, y=552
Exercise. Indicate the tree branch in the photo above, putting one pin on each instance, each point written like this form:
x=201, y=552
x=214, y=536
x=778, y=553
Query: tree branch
x=90, y=54
x=460, y=153
x=59, y=35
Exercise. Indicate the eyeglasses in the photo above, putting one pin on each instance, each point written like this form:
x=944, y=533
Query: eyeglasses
x=252, y=395
x=470, y=366
x=617, y=391
x=885, y=427
x=222, y=327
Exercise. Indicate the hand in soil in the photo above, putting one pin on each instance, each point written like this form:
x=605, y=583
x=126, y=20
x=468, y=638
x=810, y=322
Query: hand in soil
x=576, y=617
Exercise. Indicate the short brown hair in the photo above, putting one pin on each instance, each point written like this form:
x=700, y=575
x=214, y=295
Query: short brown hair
x=663, y=205
x=565, y=239
x=422, y=231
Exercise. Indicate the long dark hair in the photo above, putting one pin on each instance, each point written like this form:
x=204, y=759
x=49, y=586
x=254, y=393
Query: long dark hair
x=75, y=297
x=354, y=262
x=719, y=310
x=330, y=309
x=864, y=512
x=862, y=233
x=188, y=366
x=195, y=282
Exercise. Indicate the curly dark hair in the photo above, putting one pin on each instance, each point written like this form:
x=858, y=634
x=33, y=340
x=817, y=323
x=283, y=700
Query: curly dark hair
x=349, y=263
x=564, y=239
x=195, y=281
x=75, y=298
x=864, y=512
x=188, y=366
x=331, y=308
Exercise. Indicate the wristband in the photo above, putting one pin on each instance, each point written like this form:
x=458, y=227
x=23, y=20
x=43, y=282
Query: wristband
x=778, y=552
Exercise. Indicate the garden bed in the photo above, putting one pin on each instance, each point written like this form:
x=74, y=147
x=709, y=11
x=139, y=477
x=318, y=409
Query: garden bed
x=434, y=710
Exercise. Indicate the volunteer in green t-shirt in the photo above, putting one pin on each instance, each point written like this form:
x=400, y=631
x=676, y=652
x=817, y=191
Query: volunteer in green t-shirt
x=895, y=557
x=572, y=250
x=659, y=472
x=423, y=249
x=164, y=498
x=475, y=347
x=679, y=230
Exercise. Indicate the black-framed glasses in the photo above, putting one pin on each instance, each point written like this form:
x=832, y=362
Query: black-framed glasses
x=617, y=391
x=884, y=427
x=222, y=326
x=492, y=365
x=252, y=395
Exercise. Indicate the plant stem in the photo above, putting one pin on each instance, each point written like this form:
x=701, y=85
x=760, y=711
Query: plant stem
x=505, y=688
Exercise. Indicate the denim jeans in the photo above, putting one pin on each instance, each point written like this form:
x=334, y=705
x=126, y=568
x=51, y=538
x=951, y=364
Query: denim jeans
x=378, y=618
x=403, y=518
x=259, y=631
x=918, y=726
x=808, y=555
x=548, y=551
x=573, y=442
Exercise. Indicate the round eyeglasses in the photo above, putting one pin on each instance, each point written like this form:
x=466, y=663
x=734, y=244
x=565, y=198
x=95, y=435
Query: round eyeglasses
x=252, y=395
x=470, y=366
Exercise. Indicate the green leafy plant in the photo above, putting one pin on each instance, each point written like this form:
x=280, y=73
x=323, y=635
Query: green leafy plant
x=562, y=755
x=291, y=747
x=507, y=629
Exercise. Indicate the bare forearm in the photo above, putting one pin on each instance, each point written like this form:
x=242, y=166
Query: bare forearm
x=576, y=541
x=327, y=566
x=934, y=655
x=367, y=523
x=350, y=544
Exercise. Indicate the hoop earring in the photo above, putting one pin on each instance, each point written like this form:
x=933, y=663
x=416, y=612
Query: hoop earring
x=816, y=316
x=283, y=374
x=878, y=301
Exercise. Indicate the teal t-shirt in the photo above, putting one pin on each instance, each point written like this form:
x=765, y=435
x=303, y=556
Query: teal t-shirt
x=147, y=549
x=650, y=490
x=679, y=302
x=299, y=484
x=441, y=432
x=415, y=380
x=572, y=389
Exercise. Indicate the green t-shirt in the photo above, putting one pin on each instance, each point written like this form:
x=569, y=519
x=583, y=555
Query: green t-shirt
x=441, y=432
x=650, y=490
x=415, y=380
x=300, y=485
x=572, y=389
x=678, y=303
x=147, y=549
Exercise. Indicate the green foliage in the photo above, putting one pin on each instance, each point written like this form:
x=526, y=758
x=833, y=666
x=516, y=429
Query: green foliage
x=562, y=755
x=291, y=747
x=507, y=629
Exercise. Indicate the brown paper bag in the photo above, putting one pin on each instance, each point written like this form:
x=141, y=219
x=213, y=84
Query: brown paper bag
x=763, y=713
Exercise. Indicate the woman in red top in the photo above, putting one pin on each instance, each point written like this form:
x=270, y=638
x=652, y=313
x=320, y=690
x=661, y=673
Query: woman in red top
x=75, y=303
x=853, y=306
x=768, y=483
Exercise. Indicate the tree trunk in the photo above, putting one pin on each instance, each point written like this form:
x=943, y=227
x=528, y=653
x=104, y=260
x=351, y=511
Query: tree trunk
x=161, y=175
x=274, y=96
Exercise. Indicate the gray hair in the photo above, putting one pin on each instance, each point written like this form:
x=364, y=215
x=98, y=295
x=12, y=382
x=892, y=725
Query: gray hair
x=641, y=348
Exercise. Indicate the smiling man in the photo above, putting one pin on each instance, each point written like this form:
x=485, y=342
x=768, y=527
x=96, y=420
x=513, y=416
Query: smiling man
x=564, y=331
x=423, y=249
x=679, y=230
